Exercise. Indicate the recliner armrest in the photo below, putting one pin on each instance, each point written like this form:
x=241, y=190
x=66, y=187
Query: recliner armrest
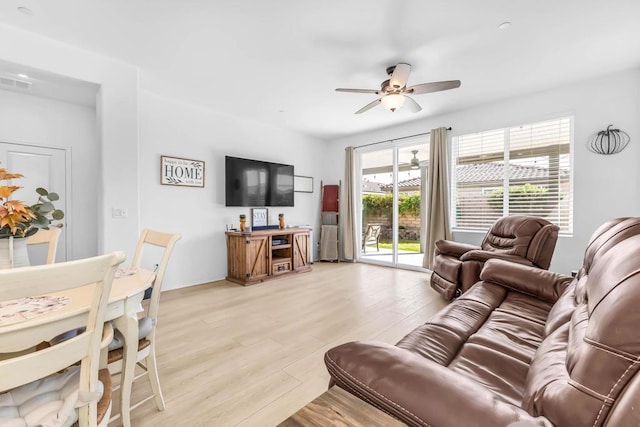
x=542, y=284
x=456, y=249
x=416, y=390
x=484, y=256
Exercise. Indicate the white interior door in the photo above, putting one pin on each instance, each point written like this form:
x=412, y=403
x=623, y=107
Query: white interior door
x=42, y=167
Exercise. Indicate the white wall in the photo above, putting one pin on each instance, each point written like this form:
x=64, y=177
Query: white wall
x=172, y=127
x=34, y=120
x=128, y=173
x=117, y=112
x=605, y=187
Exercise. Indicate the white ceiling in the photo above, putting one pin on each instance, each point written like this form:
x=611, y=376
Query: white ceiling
x=279, y=61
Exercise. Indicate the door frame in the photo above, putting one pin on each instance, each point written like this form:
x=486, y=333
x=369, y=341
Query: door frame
x=394, y=145
x=68, y=214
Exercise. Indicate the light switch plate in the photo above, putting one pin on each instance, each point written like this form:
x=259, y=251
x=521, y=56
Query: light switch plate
x=119, y=213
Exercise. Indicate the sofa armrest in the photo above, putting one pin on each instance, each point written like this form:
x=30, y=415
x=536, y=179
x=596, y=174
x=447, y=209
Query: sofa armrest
x=542, y=284
x=484, y=256
x=418, y=391
x=447, y=247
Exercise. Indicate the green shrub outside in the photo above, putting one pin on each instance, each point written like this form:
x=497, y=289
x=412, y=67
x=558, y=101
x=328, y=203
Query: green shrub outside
x=381, y=204
x=523, y=199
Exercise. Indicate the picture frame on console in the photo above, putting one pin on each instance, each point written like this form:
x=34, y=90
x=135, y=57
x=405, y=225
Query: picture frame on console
x=259, y=217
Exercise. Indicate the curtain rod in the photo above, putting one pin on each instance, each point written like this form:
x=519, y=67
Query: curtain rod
x=395, y=139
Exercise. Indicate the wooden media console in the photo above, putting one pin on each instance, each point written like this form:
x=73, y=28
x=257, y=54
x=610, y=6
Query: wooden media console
x=261, y=255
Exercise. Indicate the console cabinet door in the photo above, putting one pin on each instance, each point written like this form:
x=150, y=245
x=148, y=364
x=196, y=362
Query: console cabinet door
x=257, y=257
x=300, y=251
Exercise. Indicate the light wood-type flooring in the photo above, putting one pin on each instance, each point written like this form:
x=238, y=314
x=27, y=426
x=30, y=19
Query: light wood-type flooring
x=230, y=355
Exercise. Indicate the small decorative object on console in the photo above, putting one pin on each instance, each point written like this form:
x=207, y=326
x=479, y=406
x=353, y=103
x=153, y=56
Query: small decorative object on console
x=281, y=221
x=243, y=222
x=259, y=217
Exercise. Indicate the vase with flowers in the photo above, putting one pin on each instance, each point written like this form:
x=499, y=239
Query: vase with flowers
x=19, y=220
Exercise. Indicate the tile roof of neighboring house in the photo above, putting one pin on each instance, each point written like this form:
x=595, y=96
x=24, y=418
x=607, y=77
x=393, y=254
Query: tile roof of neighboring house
x=484, y=172
x=491, y=172
x=373, y=187
x=412, y=183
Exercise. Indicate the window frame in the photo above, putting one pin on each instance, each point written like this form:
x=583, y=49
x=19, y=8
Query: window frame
x=562, y=149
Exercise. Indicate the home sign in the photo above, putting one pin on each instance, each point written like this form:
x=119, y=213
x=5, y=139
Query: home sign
x=185, y=172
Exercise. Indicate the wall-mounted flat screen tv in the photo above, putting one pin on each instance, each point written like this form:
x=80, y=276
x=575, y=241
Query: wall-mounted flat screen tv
x=256, y=183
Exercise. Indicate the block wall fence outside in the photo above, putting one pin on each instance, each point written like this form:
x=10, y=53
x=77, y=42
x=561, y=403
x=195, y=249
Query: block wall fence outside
x=409, y=225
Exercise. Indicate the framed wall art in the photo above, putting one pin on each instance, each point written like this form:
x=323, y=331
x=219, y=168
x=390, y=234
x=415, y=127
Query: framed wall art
x=182, y=172
x=303, y=184
x=259, y=217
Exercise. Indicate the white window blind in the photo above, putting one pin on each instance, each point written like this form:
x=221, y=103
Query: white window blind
x=523, y=170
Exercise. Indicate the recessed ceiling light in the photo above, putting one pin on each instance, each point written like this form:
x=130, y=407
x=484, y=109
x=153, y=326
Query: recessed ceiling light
x=25, y=11
x=23, y=76
x=504, y=26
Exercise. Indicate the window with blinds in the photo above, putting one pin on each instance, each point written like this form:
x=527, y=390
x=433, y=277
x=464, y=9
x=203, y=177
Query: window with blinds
x=522, y=170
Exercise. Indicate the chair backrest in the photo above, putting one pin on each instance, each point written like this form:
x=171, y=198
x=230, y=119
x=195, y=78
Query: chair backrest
x=24, y=282
x=592, y=360
x=163, y=240
x=373, y=231
x=49, y=237
x=524, y=236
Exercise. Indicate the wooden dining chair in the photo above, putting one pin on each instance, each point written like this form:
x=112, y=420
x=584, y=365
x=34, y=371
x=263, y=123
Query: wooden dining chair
x=50, y=238
x=36, y=384
x=146, y=357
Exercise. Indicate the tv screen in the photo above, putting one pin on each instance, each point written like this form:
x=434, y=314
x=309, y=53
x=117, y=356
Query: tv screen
x=256, y=183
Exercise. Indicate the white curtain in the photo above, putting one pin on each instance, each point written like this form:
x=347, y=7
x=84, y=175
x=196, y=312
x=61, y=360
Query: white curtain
x=438, y=195
x=349, y=237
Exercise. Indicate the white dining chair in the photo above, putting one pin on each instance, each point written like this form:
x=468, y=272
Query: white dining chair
x=146, y=358
x=37, y=381
x=50, y=238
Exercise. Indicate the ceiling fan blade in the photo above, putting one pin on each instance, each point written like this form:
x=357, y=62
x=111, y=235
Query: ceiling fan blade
x=411, y=105
x=369, y=106
x=340, y=89
x=400, y=76
x=433, y=87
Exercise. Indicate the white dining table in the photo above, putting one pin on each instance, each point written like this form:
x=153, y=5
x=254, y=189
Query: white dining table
x=125, y=302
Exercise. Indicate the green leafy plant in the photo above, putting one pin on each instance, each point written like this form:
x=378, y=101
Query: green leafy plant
x=382, y=204
x=17, y=219
x=523, y=199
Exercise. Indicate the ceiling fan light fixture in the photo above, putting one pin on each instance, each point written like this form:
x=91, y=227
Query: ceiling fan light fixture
x=394, y=92
x=415, y=163
x=392, y=101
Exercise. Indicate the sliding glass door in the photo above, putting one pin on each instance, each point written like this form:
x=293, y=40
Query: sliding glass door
x=392, y=195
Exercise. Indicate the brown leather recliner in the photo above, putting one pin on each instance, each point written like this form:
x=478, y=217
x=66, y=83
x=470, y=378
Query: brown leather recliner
x=523, y=346
x=526, y=240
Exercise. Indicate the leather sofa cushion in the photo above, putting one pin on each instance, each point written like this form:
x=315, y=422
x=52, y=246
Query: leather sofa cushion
x=511, y=235
x=489, y=335
x=586, y=363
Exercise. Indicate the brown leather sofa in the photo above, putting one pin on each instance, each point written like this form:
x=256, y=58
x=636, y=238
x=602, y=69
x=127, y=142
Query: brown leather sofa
x=523, y=239
x=523, y=346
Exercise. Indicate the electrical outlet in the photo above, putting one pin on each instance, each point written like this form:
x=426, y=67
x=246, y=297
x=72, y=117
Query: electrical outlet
x=119, y=213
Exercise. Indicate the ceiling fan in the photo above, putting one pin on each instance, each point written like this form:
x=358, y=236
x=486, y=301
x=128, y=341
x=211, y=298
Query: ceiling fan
x=415, y=163
x=395, y=92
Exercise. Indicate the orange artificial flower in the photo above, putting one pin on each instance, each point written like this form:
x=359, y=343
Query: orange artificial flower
x=6, y=191
x=6, y=175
